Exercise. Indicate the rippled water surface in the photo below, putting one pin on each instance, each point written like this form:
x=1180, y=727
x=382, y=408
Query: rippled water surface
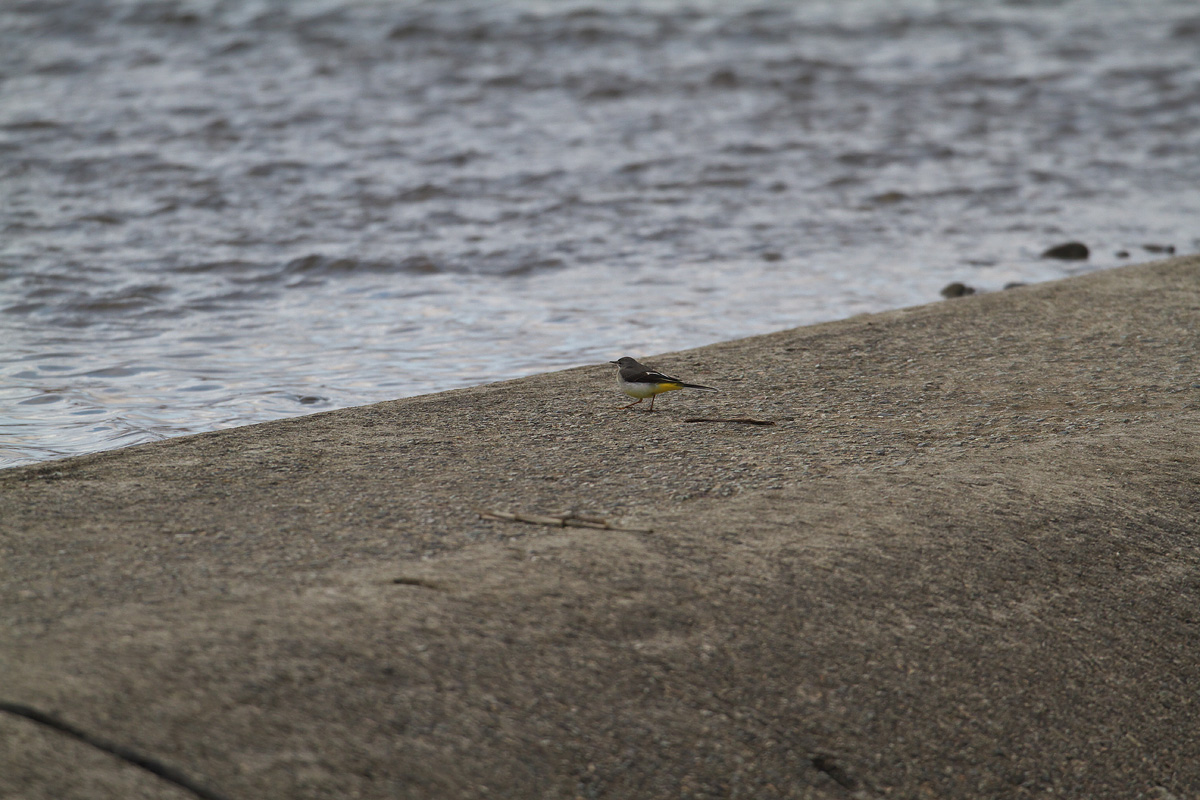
x=217, y=213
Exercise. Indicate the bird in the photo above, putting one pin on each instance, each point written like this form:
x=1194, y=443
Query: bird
x=638, y=380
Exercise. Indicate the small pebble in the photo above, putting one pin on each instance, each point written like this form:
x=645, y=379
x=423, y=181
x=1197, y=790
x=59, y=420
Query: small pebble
x=1069, y=251
x=956, y=289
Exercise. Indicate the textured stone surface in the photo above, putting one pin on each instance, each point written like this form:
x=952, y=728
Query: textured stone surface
x=963, y=562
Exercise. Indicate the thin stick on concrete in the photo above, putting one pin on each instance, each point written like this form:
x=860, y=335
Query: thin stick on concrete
x=126, y=754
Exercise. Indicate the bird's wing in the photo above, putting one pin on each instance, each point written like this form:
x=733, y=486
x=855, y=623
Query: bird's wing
x=648, y=376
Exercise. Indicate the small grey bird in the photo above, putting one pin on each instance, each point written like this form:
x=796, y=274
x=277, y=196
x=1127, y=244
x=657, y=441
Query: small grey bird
x=638, y=380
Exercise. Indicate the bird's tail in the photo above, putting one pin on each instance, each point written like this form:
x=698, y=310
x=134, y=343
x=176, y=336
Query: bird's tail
x=698, y=386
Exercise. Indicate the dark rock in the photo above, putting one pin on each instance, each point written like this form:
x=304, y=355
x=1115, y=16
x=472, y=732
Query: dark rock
x=956, y=289
x=1159, y=248
x=1070, y=251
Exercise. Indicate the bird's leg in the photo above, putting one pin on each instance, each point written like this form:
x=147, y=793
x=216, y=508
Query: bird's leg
x=652, y=401
x=635, y=402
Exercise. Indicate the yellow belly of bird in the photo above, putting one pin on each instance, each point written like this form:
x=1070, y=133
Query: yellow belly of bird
x=649, y=390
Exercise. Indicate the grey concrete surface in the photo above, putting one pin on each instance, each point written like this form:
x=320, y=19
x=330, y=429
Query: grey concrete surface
x=963, y=561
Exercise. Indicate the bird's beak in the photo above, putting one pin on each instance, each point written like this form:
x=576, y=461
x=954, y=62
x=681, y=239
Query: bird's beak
x=612, y=362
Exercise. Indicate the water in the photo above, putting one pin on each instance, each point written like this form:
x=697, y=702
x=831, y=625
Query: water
x=217, y=213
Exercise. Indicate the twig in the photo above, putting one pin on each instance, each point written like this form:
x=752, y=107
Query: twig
x=126, y=754
x=568, y=519
x=425, y=584
x=740, y=420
